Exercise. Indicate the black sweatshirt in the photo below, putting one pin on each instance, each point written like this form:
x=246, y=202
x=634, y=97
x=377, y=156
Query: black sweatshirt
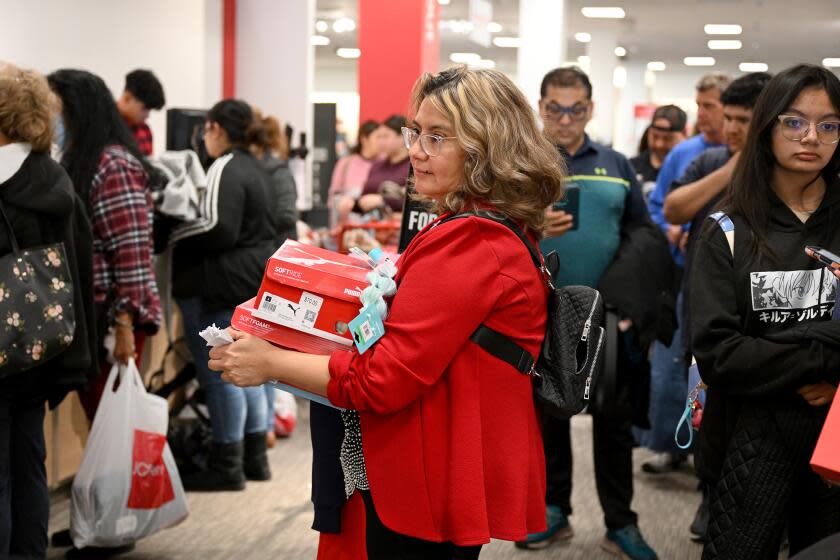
x=735, y=309
x=742, y=311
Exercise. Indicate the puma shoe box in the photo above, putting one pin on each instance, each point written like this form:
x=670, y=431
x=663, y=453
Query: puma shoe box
x=826, y=458
x=307, y=298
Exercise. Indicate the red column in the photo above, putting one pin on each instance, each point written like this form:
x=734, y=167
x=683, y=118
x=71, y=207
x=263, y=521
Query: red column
x=399, y=40
x=229, y=49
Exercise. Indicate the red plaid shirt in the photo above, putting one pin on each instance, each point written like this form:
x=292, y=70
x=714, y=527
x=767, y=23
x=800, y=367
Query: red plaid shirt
x=122, y=237
x=143, y=135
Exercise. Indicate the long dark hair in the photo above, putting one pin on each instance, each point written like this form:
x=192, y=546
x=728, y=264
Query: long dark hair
x=92, y=122
x=750, y=190
x=365, y=130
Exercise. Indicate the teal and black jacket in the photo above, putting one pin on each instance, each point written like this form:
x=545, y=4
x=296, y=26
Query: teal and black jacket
x=610, y=199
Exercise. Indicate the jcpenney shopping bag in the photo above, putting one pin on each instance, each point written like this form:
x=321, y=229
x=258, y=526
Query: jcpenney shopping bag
x=127, y=486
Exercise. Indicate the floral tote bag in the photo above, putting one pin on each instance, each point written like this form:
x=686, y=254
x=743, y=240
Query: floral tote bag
x=37, y=319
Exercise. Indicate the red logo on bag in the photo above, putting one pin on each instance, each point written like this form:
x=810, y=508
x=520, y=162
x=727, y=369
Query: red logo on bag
x=150, y=483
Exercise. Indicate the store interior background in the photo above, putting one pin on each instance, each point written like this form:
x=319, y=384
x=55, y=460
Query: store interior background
x=286, y=59
x=280, y=69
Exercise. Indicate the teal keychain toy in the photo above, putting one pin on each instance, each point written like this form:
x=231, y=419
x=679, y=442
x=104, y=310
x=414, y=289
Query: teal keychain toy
x=367, y=328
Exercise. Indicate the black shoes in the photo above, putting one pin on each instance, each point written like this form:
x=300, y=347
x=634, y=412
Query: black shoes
x=701, y=518
x=224, y=470
x=231, y=464
x=255, y=460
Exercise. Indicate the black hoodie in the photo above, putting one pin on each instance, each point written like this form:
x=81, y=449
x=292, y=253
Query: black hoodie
x=738, y=307
x=43, y=208
x=755, y=326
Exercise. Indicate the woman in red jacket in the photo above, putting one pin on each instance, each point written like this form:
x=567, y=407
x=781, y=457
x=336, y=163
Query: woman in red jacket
x=452, y=450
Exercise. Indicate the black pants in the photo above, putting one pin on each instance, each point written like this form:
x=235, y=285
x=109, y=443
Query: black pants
x=24, y=497
x=385, y=544
x=766, y=483
x=612, y=446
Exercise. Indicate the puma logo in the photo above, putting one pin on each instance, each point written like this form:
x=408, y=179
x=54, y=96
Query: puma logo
x=292, y=307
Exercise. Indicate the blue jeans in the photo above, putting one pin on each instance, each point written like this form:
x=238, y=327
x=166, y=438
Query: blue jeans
x=668, y=390
x=234, y=411
x=269, y=397
x=24, y=498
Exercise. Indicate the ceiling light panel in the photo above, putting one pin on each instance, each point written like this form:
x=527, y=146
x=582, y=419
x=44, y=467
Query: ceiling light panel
x=722, y=29
x=724, y=44
x=602, y=12
x=507, y=42
x=465, y=57
x=348, y=52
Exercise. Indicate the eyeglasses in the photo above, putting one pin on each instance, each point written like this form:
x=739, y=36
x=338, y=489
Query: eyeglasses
x=431, y=143
x=796, y=128
x=555, y=112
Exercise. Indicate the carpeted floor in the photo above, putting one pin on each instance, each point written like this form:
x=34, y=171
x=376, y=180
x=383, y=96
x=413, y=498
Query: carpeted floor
x=270, y=520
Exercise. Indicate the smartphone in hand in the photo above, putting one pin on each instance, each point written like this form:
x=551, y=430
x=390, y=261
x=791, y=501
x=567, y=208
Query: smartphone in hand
x=823, y=256
x=570, y=204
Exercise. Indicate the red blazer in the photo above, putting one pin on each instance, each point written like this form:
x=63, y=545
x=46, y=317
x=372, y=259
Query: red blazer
x=451, y=437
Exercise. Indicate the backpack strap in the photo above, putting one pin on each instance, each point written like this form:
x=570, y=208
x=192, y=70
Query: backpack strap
x=494, y=342
x=728, y=228
x=536, y=255
x=505, y=349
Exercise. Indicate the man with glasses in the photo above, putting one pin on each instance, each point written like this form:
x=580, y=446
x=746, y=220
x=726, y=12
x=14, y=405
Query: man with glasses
x=608, y=199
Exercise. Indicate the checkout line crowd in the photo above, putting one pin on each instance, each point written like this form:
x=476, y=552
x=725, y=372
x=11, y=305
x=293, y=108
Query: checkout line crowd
x=75, y=167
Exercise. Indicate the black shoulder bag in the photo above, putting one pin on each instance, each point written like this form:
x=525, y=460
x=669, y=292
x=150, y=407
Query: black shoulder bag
x=564, y=371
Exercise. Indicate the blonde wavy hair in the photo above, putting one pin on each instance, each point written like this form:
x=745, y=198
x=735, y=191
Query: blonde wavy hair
x=509, y=162
x=26, y=107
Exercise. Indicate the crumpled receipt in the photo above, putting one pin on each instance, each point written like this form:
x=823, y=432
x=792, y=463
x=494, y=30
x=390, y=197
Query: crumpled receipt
x=215, y=336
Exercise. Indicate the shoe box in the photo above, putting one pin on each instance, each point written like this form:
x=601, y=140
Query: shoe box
x=307, y=298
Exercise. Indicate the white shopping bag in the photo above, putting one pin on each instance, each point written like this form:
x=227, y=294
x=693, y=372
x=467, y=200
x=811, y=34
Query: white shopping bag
x=127, y=486
x=285, y=413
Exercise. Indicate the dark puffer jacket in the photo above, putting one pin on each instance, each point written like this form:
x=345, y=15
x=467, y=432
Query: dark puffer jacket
x=284, y=191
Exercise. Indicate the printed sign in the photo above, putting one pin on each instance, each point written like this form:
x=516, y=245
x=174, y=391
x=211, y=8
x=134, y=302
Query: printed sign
x=792, y=295
x=285, y=312
x=151, y=486
x=416, y=216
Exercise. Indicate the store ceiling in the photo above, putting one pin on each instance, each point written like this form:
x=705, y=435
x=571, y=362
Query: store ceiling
x=777, y=32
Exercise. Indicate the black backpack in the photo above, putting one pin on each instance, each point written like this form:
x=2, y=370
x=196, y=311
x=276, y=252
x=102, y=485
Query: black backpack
x=564, y=371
